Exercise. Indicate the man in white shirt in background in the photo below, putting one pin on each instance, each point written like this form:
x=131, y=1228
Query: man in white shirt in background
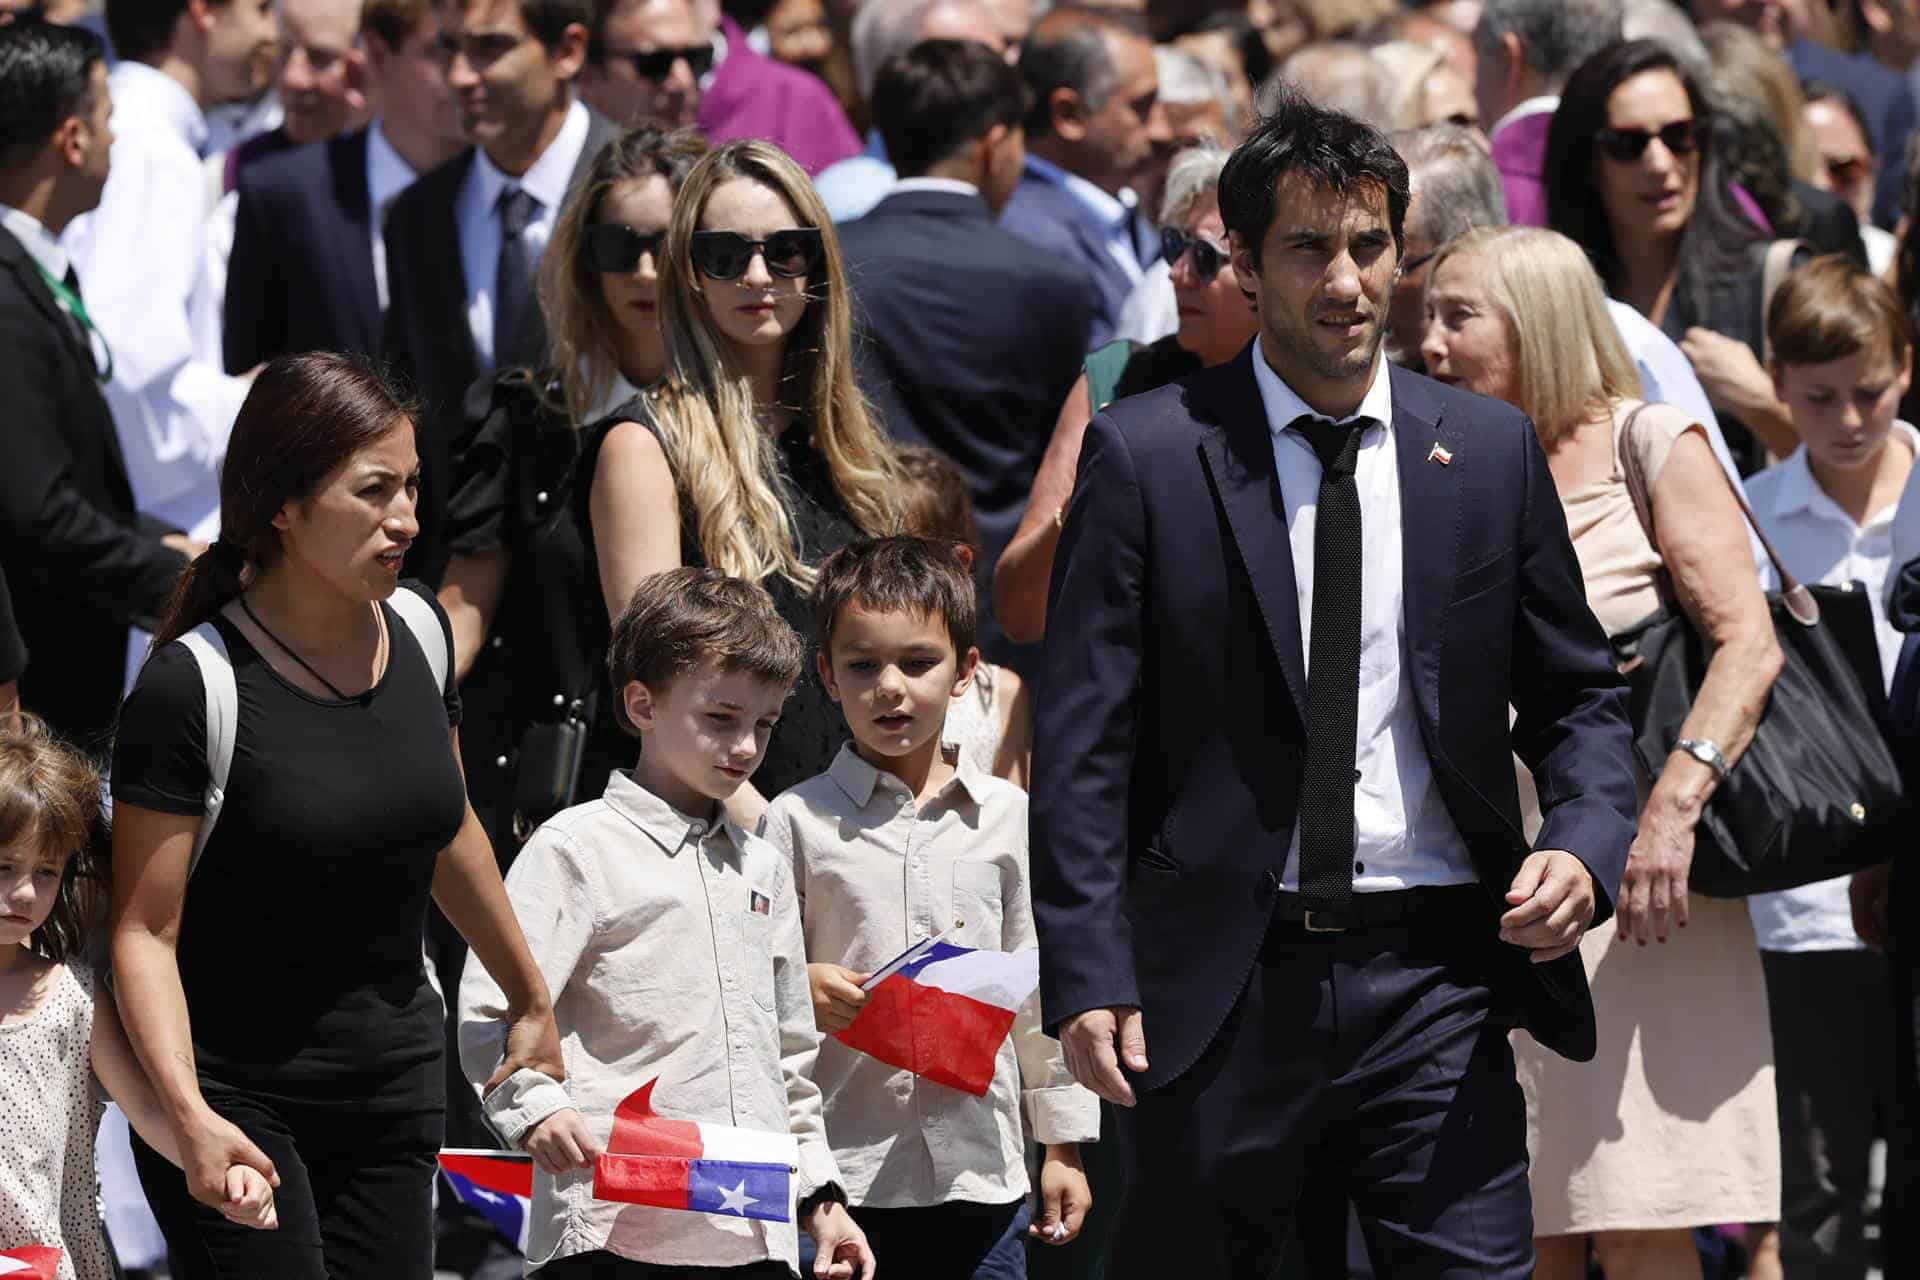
x=142, y=252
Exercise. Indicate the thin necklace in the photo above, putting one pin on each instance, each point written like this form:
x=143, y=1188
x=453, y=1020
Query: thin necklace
x=293, y=653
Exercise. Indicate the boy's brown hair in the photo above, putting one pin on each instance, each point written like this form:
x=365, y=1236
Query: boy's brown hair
x=678, y=619
x=901, y=574
x=1833, y=308
x=50, y=797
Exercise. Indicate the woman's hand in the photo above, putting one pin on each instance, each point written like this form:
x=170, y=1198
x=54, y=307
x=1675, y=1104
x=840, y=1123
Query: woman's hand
x=1653, y=895
x=533, y=1044
x=210, y=1147
x=842, y=1252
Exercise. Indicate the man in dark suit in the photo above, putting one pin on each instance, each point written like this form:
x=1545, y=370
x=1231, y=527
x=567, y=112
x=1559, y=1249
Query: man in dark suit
x=464, y=242
x=1094, y=121
x=82, y=564
x=309, y=268
x=970, y=338
x=1287, y=916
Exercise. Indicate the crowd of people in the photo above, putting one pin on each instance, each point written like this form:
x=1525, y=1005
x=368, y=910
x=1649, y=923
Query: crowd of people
x=728, y=454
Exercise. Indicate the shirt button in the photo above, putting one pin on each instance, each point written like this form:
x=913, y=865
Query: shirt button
x=1356, y=775
x=1359, y=868
x=559, y=699
x=697, y=829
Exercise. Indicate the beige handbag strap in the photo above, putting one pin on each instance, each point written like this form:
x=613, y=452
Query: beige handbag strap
x=1774, y=269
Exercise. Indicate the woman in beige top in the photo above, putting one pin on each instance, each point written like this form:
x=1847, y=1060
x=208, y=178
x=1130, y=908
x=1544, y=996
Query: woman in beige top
x=1673, y=1125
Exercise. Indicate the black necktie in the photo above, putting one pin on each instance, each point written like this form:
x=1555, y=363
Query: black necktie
x=514, y=307
x=1333, y=671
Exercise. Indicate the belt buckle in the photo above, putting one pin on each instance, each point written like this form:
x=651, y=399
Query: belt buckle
x=1335, y=921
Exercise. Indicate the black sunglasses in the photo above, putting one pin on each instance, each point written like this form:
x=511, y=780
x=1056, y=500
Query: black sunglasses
x=657, y=64
x=1682, y=138
x=614, y=248
x=725, y=255
x=1208, y=257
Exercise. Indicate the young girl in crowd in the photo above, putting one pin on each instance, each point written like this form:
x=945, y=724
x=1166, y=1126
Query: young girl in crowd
x=58, y=1026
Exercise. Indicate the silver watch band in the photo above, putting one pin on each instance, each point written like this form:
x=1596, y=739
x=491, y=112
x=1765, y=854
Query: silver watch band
x=1707, y=752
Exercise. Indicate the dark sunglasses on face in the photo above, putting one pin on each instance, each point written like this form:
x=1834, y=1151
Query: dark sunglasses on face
x=614, y=248
x=1208, y=257
x=1844, y=171
x=657, y=64
x=1682, y=138
x=725, y=255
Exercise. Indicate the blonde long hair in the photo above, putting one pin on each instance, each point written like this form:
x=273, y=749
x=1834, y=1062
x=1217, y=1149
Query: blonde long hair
x=722, y=458
x=1569, y=362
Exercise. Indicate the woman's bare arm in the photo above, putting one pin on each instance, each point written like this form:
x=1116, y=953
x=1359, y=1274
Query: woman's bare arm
x=471, y=594
x=1020, y=579
x=634, y=507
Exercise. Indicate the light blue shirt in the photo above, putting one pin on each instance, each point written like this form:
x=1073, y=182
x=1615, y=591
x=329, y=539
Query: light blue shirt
x=1105, y=211
x=851, y=187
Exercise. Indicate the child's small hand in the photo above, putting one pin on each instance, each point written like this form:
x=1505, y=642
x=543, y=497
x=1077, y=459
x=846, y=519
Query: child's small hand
x=250, y=1200
x=561, y=1142
x=837, y=996
x=1064, y=1197
x=841, y=1249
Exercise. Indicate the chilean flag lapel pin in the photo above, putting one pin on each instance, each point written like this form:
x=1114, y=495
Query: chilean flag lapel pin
x=1440, y=454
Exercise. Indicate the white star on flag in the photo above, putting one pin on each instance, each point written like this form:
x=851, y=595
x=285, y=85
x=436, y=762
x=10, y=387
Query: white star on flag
x=736, y=1200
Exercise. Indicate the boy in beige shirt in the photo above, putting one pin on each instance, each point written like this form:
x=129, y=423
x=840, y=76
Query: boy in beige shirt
x=670, y=939
x=897, y=841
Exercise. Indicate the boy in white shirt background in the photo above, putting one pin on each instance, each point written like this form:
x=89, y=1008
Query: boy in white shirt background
x=904, y=839
x=670, y=940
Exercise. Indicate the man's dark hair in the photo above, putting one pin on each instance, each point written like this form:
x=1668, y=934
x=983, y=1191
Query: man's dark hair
x=548, y=20
x=1067, y=50
x=141, y=28
x=900, y=574
x=46, y=76
x=1826, y=91
x=1330, y=148
x=941, y=95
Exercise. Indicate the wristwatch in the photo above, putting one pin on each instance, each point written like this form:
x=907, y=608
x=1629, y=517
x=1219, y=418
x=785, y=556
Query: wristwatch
x=1707, y=752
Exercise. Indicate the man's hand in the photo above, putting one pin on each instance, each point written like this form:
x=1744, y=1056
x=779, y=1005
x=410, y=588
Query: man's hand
x=1064, y=1197
x=1091, y=1039
x=1552, y=901
x=1868, y=894
x=561, y=1142
x=837, y=996
x=841, y=1249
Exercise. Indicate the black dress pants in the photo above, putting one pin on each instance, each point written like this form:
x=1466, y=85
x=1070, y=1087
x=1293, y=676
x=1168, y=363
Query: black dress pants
x=600, y=1265
x=355, y=1198
x=1900, y=1209
x=1376, y=1060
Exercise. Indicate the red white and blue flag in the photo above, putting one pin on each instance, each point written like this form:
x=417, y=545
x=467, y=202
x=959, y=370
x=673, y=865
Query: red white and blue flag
x=703, y=1168
x=33, y=1262
x=497, y=1185
x=942, y=1011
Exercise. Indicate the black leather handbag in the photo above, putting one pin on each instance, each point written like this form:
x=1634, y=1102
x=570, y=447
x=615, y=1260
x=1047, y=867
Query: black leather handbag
x=546, y=774
x=1817, y=793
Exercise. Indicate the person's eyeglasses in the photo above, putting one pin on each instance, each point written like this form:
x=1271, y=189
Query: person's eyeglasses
x=614, y=248
x=1682, y=138
x=657, y=64
x=1416, y=262
x=1208, y=257
x=725, y=255
x=1845, y=171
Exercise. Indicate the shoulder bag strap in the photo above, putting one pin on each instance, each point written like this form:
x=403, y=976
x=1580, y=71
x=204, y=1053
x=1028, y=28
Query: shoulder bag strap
x=209, y=650
x=424, y=623
x=1799, y=601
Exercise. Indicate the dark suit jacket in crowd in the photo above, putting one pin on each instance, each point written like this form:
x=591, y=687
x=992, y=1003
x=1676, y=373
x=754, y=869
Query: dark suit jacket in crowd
x=970, y=340
x=426, y=337
x=1173, y=698
x=81, y=563
x=301, y=277
x=1052, y=219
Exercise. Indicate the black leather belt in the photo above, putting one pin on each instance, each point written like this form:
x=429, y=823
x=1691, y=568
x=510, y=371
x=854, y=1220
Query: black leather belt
x=1458, y=903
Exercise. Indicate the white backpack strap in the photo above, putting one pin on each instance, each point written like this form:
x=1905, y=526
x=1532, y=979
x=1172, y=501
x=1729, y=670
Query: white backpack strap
x=223, y=717
x=427, y=631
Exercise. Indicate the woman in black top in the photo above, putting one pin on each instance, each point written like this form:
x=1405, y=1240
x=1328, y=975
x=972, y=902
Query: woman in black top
x=530, y=633
x=755, y=454
x=278, y=999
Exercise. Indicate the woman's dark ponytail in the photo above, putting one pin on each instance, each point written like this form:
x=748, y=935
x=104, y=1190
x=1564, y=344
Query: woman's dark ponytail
x=304, y=418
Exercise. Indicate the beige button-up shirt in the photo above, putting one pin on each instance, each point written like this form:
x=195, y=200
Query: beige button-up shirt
x=875, y=873
x=672, y=948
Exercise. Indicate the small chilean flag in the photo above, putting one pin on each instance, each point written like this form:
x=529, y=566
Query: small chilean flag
x=38, y=1261
x=704, y=1168
x=942, y=1011
x=497, y=1185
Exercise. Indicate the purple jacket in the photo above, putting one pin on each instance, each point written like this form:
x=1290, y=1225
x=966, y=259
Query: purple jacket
x=756, y=97
x=1520, y=153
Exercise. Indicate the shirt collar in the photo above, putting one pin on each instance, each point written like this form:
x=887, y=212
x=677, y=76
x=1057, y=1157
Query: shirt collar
x=140, y=90
x=547, y=178
x=859, y=779
x=669, y=828
x=618, y=394
x=388, y=173
x=952, y=186
x=1543, y=104
x=39, y=243
x=1106, y=209
x=1798, y=493
x=1283, y=405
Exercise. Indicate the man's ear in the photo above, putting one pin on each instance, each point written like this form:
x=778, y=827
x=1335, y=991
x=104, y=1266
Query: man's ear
x=70, y=140
x=199, y=13
x=569, y=53
x=964, y=554
x=1877, y=16
x=640, y=705
x=825, y=669
x=1246, y=272
x=1514, y=49
x=1069, y=114
x=357, y=80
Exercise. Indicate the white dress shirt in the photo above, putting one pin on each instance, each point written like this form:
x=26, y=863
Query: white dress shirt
x=1103, y=209
x=1403, y=834
x=388, y=174
x=477, y=214
x=1151, y=312
x=951, y=186
x=1821, y=544
x=141, y=257
x=37, y=241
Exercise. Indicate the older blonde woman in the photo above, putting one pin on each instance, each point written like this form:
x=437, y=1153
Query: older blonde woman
x=1673, y=1125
